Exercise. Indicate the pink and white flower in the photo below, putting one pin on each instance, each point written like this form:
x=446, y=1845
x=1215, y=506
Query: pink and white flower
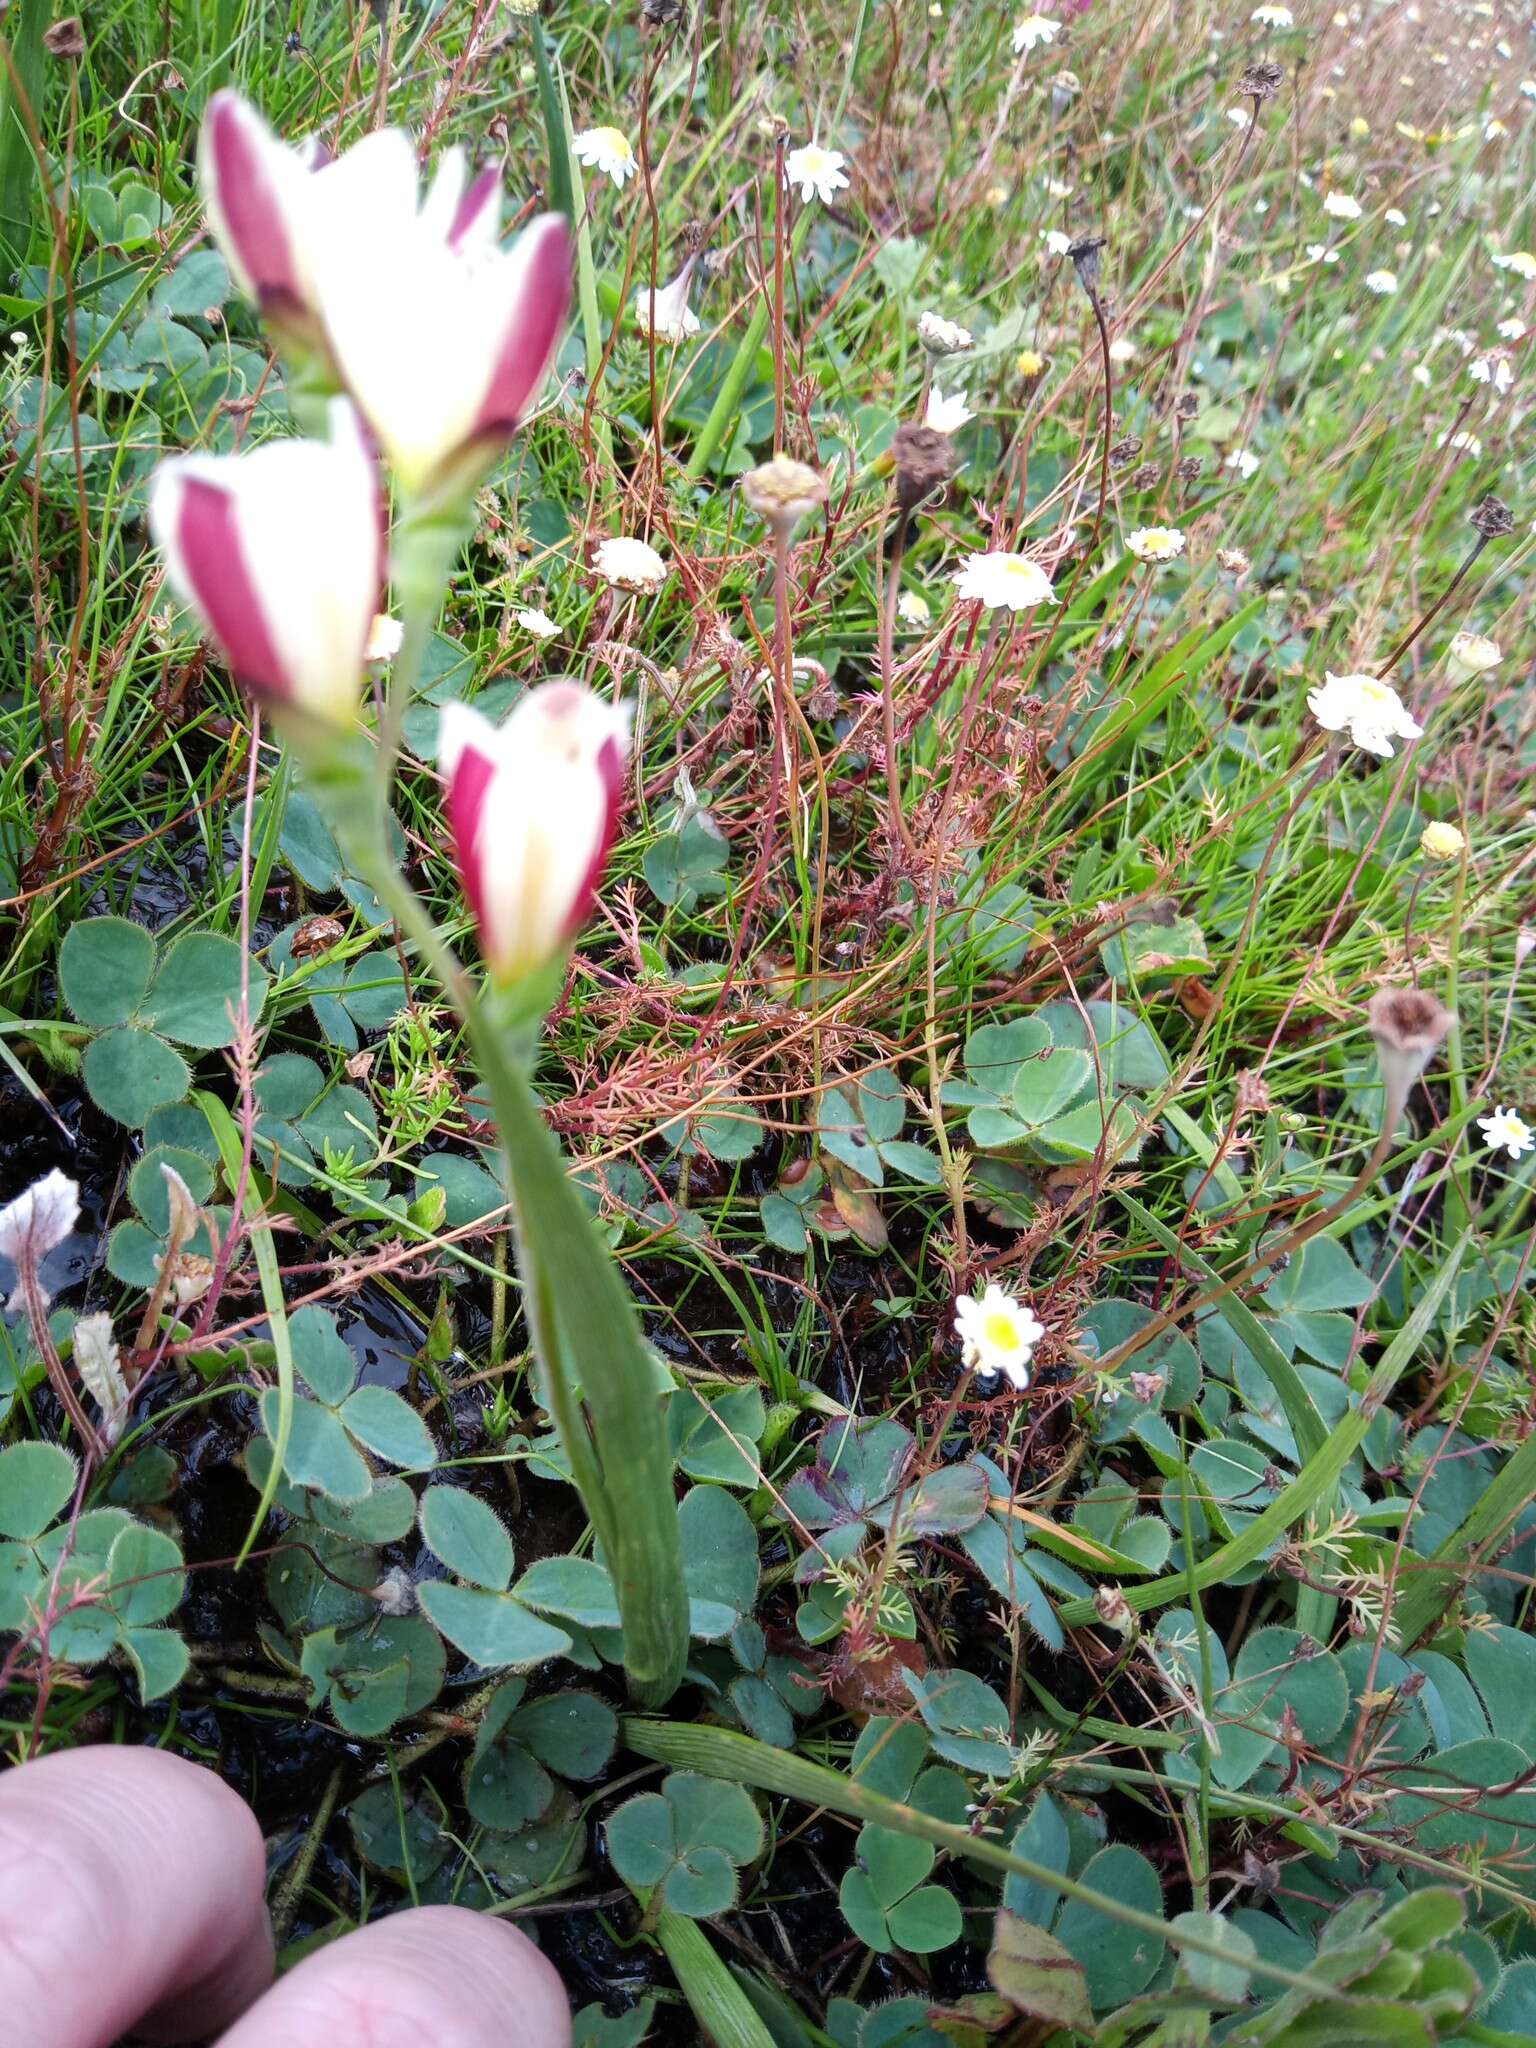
x=281, y=554
x=533, y=806
x=441, y=337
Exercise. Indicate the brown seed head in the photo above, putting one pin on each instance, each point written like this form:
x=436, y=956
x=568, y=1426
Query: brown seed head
x=1492, y=518
x=1189, y=468
x=925, y=462
x=65, y=38
x=1125, y=450
x=1408, y=1020
x=1187, y=405
x=1084, y=253
x=1234, y=561
x=1147, y=478
x=1261, y=81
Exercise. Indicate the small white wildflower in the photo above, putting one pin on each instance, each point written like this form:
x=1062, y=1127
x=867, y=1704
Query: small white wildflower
x=630, y=564
x=1319, y=252
x=385, y=636
x=1494, y=370
x=1382, y=282
x=943, y=337
x=1122, y=349
x=1003, y=580
x=1369, y=710
x=1243, y=461
x=1420, y=374
x=913, y=609
x=1056, y=243
x=667, y=314
x=1033, y=30
x=1468, y=444
x=1520, y=261
x=1471, y=654
x=1342, y=206
x=1058, y=188
x=1507, y=1131
x=946, y=415
x=538, y=623
x=817, y=171
x=1273, y=17
x=1155, y=543
x=1395, y=217
x=1240, y=117
x=606, y=150
x=1513, y=330
x=997, y=1333
x=1528, y=88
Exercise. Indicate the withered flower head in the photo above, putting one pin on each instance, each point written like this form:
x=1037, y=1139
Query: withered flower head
x=65, y=38
x=1146, y=478
x=1492, y=518
x=1125, y=450
x=1261, y=81
x=1189, y=468
x=1187, y=405
x=1409, y=1026
x=925, y=462
x=1084, y=253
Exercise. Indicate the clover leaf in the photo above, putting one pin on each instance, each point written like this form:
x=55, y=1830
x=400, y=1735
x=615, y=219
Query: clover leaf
x=687, y=1841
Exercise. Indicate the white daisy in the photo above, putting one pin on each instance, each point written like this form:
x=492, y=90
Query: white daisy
x=1395, y=217
x=997, y=1333
x=913, y=609
x=1492, y=370
x=1243, y=462
x=606, y=149
x=1155, y=543
x=817, y=171
x=946, y=415
x=1369, y=710
x=630, y=564
x=1341, y=206
x=1003, y=580
x=1056, y=243
x=1032, y=30
x=1505, y=1130
x=1513, y=330
x=1382, y=282
x=1520, y=261
x=538, y=623
x=1273, y=17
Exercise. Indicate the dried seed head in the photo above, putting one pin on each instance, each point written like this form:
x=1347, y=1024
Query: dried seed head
x=1492, y=518
x=783, y=491
x=658, y=13
x=65, y=38
x=1125, y=450
x=1234, y=561
x=1261, y=81
x=1189, y=469
x=1409, y=1026
x=925, y=462
x=1187, y=406
x=1085, y=261
x=1147, y=478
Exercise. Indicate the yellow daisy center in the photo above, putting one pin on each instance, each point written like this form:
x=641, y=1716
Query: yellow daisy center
x=1001, y=1331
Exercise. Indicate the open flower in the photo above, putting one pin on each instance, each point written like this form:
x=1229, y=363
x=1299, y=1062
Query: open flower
x=281, y=554
x=1520, y=261
x=442, y=338
x=538, y=623
x=1057, y=243
x=532, y=806
x=1155, y=543
x=1369, y=710
x=818, y=172
x=1342, y=206
x=1273, y=17
x=1506, y=1131
x=1382, y=282
x=667, y=313
x=606, y=150
x=1033, y=30
x=630, y=564
x=1001, y=580
x=912, y=609
x=997, y=1333
x=1243, y=461
x=946, y=415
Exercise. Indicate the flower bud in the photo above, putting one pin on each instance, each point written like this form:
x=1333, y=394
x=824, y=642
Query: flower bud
x=1442, y=841
x=532, y=806
x=281, y=553
x=1471, y=654
x=783, y=491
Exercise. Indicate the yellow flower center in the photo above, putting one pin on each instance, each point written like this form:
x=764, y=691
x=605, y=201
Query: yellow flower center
x=614, y=142
x=1001, y=1332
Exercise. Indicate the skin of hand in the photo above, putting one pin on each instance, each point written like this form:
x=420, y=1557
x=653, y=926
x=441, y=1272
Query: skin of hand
x=131, y=1903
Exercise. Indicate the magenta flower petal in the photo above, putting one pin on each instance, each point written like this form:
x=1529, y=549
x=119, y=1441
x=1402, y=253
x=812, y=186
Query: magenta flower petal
x=238, y=160
x=610, y=771
x=481, y=197
x=468, y=783
x=532, y=331
x=207, y=548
